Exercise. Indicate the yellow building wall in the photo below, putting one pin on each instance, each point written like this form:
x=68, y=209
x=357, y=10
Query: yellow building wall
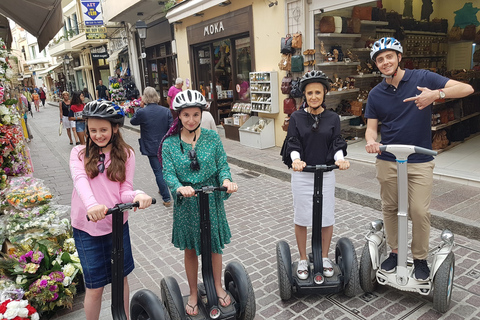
x=268, y=28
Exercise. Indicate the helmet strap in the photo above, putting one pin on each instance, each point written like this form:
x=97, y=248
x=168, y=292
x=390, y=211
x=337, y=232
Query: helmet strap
x=392, y=75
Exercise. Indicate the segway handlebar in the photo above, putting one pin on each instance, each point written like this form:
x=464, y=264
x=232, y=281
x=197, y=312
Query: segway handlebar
x=402, y=151
x=322, y=167
x=120, y=207
x=206, y=189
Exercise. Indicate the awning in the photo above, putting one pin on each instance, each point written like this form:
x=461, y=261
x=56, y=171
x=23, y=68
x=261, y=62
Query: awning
x=41, y=18
x=116, y=53
x=188, y=9
x=42, y=72
x=5, y=32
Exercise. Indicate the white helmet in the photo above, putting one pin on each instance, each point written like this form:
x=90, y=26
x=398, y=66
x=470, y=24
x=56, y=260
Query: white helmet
x=386, y=43
x=189, y=98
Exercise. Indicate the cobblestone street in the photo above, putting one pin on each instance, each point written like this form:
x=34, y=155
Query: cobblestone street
x=260, y=215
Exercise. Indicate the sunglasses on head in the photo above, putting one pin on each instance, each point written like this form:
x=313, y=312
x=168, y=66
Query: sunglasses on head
x=101, y=165
x=194, y=165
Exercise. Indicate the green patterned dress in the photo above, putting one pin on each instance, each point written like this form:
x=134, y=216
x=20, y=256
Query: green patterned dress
x=214, y=170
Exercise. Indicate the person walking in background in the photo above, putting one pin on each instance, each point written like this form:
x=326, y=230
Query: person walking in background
x=75, y=114
x=154, y=122
x=314, y=138
x=194, y=157
x=28, y=95
x=36, y=100
x=87, y=96
x=402, y=102
x=24, y=103
x=102, y=91
x=69, y=125
x=172, y=92
x=43, y=96
x=102, y=174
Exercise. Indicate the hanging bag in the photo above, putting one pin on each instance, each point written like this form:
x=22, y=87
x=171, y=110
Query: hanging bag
x=296, y=92
x=286, y=84
x=297, y=64
x=285, y=62
x=286, y=45
x=289, y=106
x=297, y=40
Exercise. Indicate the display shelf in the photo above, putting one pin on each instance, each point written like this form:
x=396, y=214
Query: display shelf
x=270, y=78
x=425, y=56
x=340, y=63
x=339, y=35
x=385, y=30
x=361, y=49
x=261, y=140
x=334, y=93
x=450, y=123
x=425, y=33
x=366, y=75
x=374, y=23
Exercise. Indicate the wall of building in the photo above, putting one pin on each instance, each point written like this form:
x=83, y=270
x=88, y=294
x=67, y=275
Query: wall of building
x=268, y=26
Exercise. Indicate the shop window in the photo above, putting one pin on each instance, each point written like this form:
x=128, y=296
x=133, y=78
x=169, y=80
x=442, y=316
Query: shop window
x=243, y=67
x=222, y=66
x=294, y=16
x=204, y=70
x=75, y=23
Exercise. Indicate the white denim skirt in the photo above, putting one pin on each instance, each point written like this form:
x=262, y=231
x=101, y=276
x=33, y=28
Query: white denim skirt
x=302, y=190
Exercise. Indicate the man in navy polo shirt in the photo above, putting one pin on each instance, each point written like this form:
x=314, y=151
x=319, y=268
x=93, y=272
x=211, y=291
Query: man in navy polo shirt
x=402, y=102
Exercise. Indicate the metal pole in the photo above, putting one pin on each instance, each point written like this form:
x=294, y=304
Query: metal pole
x=145, y=66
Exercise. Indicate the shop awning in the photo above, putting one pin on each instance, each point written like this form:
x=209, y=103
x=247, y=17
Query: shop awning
x=189, y=8
x=49, y=69
x=5, y=32
x=41, y=18
x=116, y=53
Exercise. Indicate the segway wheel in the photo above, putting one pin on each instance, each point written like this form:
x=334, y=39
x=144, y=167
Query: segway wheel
x=368, y=276
x=146, y=305
x=238, y=283
x=284, y=270
x=346, y=258
x=172, y=298
x=443, y=284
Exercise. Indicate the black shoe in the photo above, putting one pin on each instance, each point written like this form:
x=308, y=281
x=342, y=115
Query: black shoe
x=390, y=264
x=421, y=272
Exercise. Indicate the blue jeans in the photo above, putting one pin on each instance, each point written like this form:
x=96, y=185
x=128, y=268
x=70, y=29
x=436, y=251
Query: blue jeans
x=157, y=170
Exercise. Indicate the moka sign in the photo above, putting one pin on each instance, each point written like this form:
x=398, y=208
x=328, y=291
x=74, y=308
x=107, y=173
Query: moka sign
x=216, y=27
x=93, y=13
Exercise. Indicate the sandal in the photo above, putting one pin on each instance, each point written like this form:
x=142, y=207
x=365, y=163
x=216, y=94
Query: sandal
x=327, y=268
x=223, y=303
x=193, y=313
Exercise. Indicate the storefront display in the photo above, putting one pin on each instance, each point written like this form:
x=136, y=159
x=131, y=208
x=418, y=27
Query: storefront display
x=258, y=133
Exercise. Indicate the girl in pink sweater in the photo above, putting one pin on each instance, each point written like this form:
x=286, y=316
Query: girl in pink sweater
x=102, y=173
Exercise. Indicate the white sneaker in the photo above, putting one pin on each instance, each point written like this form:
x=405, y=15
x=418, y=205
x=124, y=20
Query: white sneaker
x=302, y=270
x=327, y=268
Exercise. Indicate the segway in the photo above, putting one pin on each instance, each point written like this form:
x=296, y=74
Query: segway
x=144, y=304
x=237, y=281
x=345, y=277
x=375, y=250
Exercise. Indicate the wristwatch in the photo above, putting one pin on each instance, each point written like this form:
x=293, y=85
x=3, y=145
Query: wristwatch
x=442, y=94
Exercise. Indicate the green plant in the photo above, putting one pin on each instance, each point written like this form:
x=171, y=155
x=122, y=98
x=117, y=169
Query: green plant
x=169, y=5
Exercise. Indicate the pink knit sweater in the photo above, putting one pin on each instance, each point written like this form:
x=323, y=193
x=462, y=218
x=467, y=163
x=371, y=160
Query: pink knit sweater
x=99, y=190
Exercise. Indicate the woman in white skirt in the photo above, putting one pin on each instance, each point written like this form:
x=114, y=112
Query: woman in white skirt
x=314, y=138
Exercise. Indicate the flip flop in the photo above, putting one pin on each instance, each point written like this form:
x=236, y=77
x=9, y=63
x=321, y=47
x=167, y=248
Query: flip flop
x=193, y=309
x=224, y=304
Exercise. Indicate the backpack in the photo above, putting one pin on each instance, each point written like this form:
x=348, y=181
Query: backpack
x=286, y=84
x=296, y=92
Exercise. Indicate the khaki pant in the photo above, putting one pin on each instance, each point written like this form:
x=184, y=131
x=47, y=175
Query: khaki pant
x=420, y=182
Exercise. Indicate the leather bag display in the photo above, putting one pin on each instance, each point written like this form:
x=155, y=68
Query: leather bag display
x=289, y=106
x=286, y=45
x=363, y=13
x=469, y=32
x=285, y=62
x=286, y=86
x=327, y=24
x=356, y=108
x=455, y=34
x=297, y=40
x=296, y=92
x=285, y=124
x=297, y=64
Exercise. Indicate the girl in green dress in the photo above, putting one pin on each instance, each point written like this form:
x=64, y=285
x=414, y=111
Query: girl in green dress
x=193, y=157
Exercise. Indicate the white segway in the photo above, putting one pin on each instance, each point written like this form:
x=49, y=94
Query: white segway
x=440, y=282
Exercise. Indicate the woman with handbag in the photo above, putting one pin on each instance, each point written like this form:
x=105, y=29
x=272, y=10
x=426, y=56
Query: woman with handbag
x=314, y=138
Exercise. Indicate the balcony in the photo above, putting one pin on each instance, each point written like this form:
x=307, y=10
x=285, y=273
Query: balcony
x=59, y=49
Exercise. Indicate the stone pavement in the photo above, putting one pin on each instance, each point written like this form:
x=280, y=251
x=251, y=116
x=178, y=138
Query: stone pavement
x=260, y=215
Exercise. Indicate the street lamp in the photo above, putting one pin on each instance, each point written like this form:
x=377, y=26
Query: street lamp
x=141, y=27
x=66, y=60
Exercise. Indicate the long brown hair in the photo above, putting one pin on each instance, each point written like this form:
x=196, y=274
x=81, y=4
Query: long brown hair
x=118, y=156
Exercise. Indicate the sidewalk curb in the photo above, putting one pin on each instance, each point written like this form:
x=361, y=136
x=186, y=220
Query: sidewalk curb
x=439, y=220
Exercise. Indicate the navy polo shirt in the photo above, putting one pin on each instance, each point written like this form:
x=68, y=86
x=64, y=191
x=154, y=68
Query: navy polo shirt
x=402, y=122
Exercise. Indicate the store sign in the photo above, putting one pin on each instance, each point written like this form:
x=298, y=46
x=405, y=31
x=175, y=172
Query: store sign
x=213, y=28
x=99, y=53
x=93, y=14
x=96, y=33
